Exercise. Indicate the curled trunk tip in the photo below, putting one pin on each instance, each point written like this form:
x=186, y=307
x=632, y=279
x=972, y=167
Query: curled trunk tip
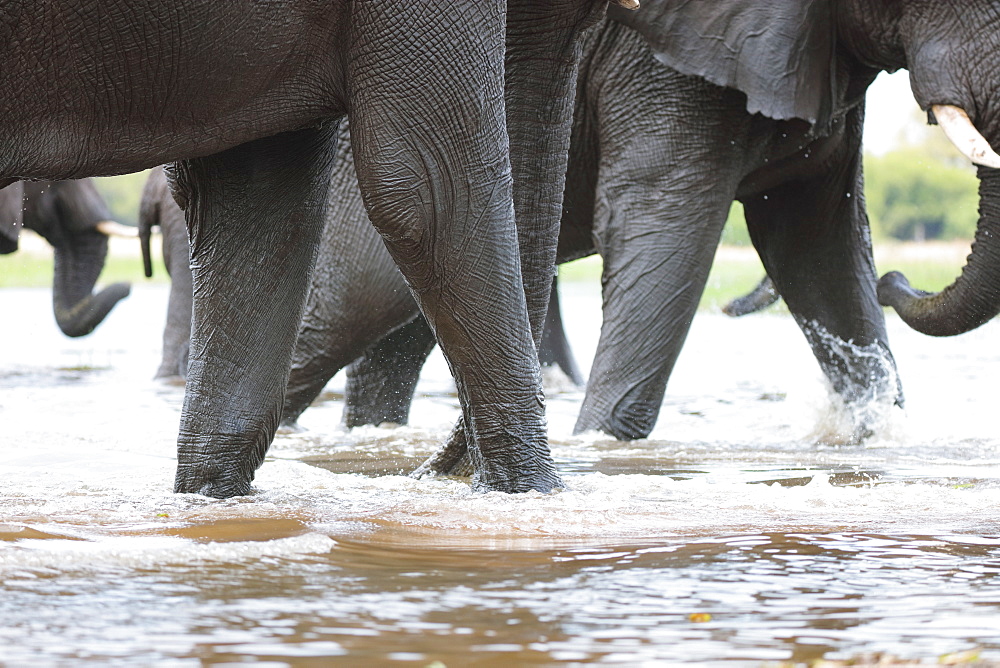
x=974, y=297
x=84, y=316
x=758, y=299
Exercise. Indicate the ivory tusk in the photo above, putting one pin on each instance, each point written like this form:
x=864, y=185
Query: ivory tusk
x=964, y=135
x=627, y=4
x=112, y=228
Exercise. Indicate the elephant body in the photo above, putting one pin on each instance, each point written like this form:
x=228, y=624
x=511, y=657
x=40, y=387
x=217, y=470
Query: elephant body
x=806, y=65
x=662, y=144
x=460, y=117
x=652, y=196
x=670, y=129
x=73, y=217
x=656, y=159
x=359, y=312
x=762, y=103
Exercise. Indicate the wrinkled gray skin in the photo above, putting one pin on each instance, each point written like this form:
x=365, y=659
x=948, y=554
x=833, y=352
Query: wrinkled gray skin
x=460, y=115
x=728, y=100
x=339, y=321
x=795, y=165
x=658, y=155
x=66, y=214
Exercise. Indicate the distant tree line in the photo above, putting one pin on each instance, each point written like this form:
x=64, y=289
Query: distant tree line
x=914, y=196
x=922, y=190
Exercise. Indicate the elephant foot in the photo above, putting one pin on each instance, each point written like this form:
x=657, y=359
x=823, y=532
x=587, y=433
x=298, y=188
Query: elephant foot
x=515, y=480
x=864, y=384
x=451, y=460
x=855, y=422
x=631, y=418
x=217, y=488
x=499, y=474
x=213, y=479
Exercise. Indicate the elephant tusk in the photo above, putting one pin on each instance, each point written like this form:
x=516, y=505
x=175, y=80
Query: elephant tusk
x=964, y=135
x=111, y=228
x=627, y=4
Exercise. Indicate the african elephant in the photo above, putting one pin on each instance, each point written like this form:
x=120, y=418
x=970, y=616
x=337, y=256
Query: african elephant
x=779, y=129
x=73, y=217
x=460, y=116
x=760, y=102
x=351, y=258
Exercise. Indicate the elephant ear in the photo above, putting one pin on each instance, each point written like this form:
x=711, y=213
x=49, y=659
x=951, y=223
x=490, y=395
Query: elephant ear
x=10, y=217
x=777, y=52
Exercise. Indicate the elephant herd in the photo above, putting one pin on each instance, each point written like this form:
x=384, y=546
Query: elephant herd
x=487, y=142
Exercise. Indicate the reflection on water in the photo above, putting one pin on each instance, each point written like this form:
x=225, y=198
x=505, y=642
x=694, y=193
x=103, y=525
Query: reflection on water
x=744, y=530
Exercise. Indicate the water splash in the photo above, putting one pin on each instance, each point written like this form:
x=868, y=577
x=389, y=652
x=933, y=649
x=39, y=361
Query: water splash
x=863, y=389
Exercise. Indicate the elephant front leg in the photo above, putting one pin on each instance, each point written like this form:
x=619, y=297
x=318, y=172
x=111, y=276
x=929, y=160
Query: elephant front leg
x=652, y=282
x=812, y=236
x=431, y=149
x=664, y=190
x=254, y=215
x=542, y=59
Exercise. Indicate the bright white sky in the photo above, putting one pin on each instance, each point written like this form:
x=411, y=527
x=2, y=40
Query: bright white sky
x=889, y=110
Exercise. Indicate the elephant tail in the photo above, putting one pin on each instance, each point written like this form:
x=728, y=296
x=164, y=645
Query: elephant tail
x=149, y=215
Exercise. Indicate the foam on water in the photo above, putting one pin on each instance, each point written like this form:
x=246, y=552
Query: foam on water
x=140, y=523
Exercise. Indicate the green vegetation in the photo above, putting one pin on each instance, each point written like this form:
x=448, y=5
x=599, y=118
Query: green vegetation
x=925, y=189
x=735, y=232
x=913, y=196
x=736, y=271
x=33, y=268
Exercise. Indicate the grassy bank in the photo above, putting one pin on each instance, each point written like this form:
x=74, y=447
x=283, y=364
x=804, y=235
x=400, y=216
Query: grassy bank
x=928, y=265
x=31, y=265
x=737, y=269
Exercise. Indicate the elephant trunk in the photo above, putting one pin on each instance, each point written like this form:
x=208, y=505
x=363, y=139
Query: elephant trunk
x=77, y=267
x=974, y=297
x=757, y=299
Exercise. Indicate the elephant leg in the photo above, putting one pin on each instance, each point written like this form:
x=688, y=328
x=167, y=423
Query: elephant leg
x=381, y=383
x=656, y=263
x=433, y=166
x=334, y=336
x=157, y=208
x=543, y=47
x=665, y=186
x=356, y=295
x=812, y=236
x=254, y=215
x=555, y=349
x=176, y=257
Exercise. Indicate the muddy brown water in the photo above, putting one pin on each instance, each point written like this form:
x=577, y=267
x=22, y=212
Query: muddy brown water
x=743, y=532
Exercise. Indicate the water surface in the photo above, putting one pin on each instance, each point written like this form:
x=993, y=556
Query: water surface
x=746, y=530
